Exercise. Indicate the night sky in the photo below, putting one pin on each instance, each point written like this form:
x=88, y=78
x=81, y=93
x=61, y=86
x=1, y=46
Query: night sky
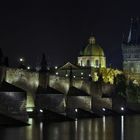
x=61, y=29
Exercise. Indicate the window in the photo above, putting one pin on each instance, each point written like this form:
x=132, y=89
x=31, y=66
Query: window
x=97, y=63
x=81, y=63
x=132, y=67
x=88, y=62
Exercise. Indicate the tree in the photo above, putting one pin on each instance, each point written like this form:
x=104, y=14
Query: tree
x=100, y=78
x=133, y=91
x=6, y=61
x=121, y=84
x=1, y=57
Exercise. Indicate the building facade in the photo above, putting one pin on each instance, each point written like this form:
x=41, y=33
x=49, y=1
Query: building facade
x=131, y=49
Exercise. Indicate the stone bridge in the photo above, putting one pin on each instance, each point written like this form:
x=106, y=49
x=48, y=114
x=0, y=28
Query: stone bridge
x=29, y=81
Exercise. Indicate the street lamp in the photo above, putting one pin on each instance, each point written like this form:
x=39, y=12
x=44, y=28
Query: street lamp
x=103, y=109
x=122, y=108
x=21, y=59
x=55, y=67
x=28, y=68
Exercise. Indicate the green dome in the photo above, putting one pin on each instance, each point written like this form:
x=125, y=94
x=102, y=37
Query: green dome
x=92, y=49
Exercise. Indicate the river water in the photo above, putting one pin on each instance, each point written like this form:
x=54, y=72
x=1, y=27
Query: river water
x=105, y=128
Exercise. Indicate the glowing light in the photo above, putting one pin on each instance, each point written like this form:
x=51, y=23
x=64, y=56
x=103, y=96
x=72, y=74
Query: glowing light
x=81, y=77
x=41, y=110
x=21, y=59
x=66, y=75
x=28, y=68
x=73, y=76
x=122, y=108
x=89, y=75
x=76, y=125
x=30, y=120
x=41, y=130
x=56, y=67
x=103, y=109
x=82, y=73
x=104, y=123
x=122, y=127
x=76, y=110
x=56, y=73
x=29, y=109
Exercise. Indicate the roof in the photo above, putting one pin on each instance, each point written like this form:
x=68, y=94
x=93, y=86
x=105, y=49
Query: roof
x=7, y=87
x=73, y=91
x=69, y=65
x=48, y=90
x=92, y=49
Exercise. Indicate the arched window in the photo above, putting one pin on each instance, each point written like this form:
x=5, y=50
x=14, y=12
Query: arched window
x=132, y=67
x=88, y=62
x=81, y=63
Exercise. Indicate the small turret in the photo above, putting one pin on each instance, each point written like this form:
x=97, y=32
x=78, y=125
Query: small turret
x=43, y=73
x=92, y=40
x=70, y=77
x=43, y=63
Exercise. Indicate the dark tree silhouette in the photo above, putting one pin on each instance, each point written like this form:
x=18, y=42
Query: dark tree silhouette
x=121, y=84
x=100, y=78
x=6, y=62
x=1, y=57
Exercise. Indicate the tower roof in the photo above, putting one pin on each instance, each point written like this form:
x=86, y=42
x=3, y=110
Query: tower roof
x=134, y=33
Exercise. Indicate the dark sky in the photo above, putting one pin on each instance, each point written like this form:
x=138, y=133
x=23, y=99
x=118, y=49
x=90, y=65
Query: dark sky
x=61, y=29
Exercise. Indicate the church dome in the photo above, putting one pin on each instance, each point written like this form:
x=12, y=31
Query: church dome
x=92, y=49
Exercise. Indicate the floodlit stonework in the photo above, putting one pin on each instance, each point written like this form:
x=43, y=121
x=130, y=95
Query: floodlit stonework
x=84, y=78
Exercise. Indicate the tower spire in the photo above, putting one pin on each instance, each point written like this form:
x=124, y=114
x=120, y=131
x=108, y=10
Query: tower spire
x=133, y=37
x=130, y=31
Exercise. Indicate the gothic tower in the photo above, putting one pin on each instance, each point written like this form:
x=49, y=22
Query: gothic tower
x=131, y=49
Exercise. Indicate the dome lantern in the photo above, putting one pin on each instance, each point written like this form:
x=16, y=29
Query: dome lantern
x=92, y=40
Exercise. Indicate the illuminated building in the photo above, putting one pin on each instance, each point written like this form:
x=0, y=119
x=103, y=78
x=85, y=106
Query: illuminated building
x=92, y=55
x=131, y=51
x=91, y=63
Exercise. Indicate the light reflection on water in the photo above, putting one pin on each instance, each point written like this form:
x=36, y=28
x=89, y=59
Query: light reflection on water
x=122, y=127
x=105, y=128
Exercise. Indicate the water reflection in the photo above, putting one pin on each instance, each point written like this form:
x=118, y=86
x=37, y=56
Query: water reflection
x=105, y=128
x=132, y=128
x=122, y=127
x=80, y=130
